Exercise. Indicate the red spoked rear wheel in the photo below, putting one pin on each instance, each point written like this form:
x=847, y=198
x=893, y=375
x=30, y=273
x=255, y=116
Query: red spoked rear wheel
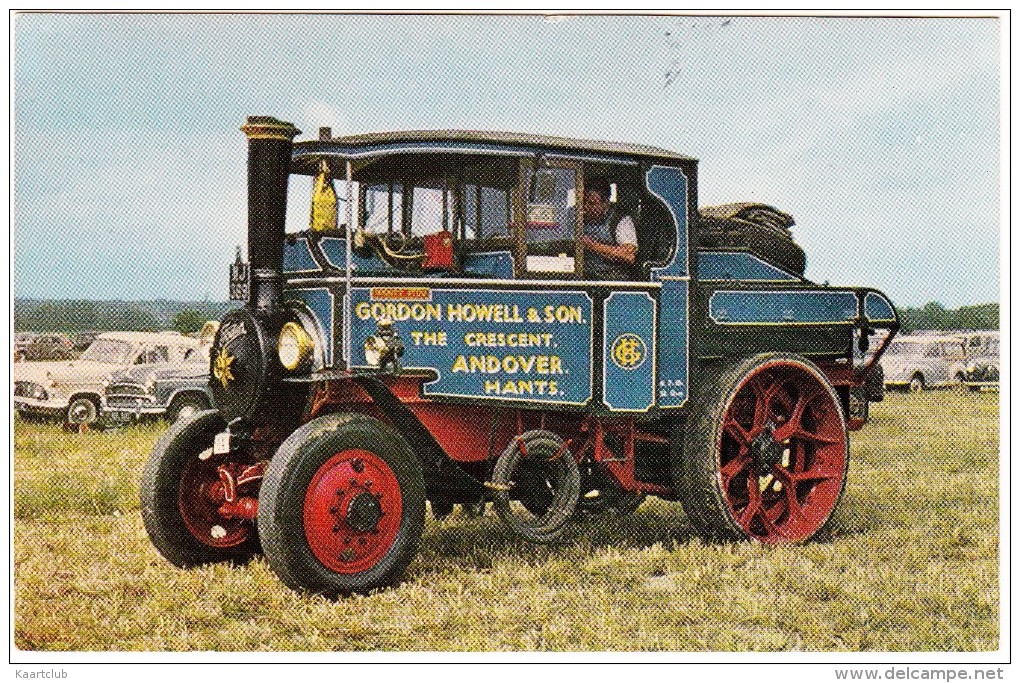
x=766, y=454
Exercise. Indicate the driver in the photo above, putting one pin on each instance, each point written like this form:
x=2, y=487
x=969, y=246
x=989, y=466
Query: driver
x=610, y=239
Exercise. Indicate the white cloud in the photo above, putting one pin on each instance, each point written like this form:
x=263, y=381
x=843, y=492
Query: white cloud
x=320, y=114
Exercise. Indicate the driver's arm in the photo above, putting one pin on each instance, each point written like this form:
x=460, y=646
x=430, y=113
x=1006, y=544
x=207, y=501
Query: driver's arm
x=623, y=252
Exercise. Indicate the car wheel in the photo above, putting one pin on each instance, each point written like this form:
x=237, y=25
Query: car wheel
x=178, y=507
x=764, y=455
x=916, y=384
x=82, y=411
x=342, y=506
x=186, y=407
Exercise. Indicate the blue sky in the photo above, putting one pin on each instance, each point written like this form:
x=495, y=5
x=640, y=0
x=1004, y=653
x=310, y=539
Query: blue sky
x=880, y=136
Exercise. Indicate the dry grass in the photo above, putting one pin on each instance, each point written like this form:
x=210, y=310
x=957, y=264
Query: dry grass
x=910, y=564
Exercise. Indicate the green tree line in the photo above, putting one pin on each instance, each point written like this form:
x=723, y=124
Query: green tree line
x=934, y=316
x=73, y=316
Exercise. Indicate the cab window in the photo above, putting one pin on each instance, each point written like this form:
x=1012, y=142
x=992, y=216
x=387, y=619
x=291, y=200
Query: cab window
x=485, y=212
x=550, y=224
x=431, y=211
x=383, y=208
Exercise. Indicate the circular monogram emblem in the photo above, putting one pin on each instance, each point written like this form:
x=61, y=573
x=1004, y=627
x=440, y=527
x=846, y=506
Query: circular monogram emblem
x=629, y=351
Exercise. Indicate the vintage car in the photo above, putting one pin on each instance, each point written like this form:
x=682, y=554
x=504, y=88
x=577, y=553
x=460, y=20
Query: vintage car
x=74, y=390
x=47, y=346
x=983, y=364
x=174, y=390
x=919, y=362
x=83, y=340
x=19, y=342
x=430, y=335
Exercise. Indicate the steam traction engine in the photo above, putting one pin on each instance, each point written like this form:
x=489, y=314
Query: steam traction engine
x=430, y=336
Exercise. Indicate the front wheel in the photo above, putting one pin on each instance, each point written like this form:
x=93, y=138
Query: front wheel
x=916, y=384
x=186, y=407
x=342, y=507
x=765, y=452
x=82, y=411
x=182, y=495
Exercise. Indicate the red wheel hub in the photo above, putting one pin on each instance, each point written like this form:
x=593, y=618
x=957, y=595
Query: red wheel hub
x=352, y=511
x=201, y=495
x=782, y=453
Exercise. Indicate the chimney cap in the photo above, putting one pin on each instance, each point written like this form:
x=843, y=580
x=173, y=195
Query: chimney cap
x=263, y=127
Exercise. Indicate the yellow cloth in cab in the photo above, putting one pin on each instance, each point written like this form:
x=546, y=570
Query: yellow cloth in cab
x=323, y=201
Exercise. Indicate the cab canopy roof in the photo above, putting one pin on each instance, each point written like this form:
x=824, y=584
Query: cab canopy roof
x=479, y=141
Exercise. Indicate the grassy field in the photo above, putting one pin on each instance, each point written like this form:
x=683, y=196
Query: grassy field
x=910, y=564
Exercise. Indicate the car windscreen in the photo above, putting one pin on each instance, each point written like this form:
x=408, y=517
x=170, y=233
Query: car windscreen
x=903, y=348
x=107, y=351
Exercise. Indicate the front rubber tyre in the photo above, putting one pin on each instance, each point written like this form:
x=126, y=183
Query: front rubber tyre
x=764, y=452
x=186, y=407
x=342, y=506
x=82, y=411
x=181, y=521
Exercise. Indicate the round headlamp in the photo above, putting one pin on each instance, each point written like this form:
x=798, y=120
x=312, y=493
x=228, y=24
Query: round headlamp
x=294, y=347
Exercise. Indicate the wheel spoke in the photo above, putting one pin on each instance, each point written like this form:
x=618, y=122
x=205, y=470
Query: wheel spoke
x=733, y=468
x=795, y=434
x=747, y=516
x=739, y=434
x=753, y=503
x=817, y=473
x=792, y=504
x=768, y=518
x=761, y=404
x=795, y=421
x=797, y=456
x=820, y=473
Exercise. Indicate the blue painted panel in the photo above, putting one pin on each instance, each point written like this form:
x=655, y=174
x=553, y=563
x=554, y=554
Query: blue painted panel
x=298, y=257
x=670, y=185
x=878, y=308
x=486, y=344
x=495, y=265
x=628, y=351
x=319, y=301
x=672, y=347
x=775, y=308
x=737, y=265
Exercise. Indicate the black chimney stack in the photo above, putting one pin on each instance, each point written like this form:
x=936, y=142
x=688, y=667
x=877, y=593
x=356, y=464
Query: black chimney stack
x=269, y=148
